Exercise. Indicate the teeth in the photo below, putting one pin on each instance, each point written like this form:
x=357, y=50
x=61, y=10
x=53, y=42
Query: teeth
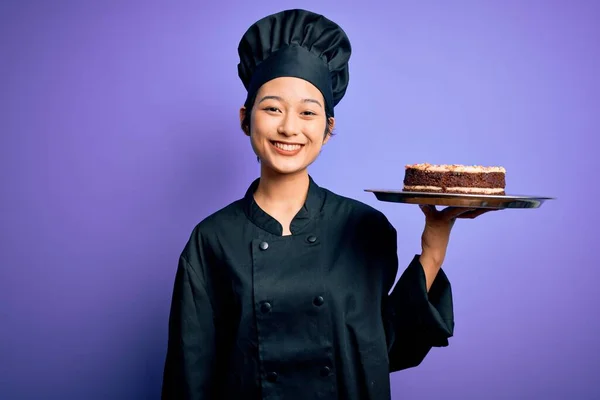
x=287, y=147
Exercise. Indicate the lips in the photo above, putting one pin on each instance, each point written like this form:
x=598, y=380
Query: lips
x=287, y=146
x=287, y=149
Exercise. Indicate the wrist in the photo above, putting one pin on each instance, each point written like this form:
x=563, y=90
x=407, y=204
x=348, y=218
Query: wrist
x=431, y=261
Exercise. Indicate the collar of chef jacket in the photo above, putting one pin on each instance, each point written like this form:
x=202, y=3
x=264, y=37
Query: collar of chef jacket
x=311, y=209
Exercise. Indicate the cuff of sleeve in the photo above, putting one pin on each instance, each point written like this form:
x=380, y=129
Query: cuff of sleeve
x=414, y=309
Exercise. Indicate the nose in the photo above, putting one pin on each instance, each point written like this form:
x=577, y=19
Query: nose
x=290, y=125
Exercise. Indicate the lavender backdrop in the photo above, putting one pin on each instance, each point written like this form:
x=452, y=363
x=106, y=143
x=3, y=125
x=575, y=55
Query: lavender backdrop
x=119, y=132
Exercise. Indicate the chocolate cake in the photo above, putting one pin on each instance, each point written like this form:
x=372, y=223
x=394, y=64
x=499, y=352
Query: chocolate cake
x=455, y=178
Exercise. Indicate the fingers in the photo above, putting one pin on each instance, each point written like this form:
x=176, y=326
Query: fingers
x=451, y=213
x=455, y=212
x=428, y=210
x=447, y=213
x=475, y=213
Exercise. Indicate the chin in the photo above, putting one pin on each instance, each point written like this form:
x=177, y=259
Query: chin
x=288, y=167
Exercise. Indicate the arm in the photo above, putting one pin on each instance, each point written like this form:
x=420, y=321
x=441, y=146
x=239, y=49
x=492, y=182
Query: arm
x=431, y=267
x=416, y=319
x=190, y=360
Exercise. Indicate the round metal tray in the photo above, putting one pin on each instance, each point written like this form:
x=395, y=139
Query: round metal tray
x=460, y=200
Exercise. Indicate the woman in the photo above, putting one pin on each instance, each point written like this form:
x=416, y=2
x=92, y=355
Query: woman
x=283, y=294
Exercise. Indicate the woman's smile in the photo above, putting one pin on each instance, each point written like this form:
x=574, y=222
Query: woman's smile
x=286, y=149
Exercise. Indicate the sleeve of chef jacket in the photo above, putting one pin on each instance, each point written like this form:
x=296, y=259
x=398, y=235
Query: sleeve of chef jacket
x=415, y=320
x=191, y=352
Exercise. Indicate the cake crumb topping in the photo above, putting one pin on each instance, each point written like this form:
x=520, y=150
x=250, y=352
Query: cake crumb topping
x=455, y=168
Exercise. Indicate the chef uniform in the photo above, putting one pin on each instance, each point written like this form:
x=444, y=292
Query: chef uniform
x=257, y=315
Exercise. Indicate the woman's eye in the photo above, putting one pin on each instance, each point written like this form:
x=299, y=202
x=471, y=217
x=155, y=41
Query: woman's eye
x=309, y=113
x=272, y=109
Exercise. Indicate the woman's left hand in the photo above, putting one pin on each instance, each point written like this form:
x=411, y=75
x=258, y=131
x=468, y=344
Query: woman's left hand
x=436, y=235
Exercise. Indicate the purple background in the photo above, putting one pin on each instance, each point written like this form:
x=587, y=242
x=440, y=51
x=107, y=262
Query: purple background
x=119, y=131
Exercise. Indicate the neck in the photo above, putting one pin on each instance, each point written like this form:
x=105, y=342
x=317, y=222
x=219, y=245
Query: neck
x=282, y=191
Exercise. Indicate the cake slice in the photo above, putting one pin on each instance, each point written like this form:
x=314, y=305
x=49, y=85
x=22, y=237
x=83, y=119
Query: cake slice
x=454, y=178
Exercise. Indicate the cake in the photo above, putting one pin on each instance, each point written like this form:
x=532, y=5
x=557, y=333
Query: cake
x=455, y=178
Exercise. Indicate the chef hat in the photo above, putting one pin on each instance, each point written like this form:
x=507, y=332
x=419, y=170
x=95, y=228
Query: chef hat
x=295, y=43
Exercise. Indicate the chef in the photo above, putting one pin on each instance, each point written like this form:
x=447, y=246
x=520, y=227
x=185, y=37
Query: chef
x=288, y=293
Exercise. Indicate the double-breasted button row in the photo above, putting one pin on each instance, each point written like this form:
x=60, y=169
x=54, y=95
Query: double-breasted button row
x=265, y=245
x=266, y=306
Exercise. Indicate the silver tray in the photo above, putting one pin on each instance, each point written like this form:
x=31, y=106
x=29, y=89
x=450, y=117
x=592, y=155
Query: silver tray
x=460, y=200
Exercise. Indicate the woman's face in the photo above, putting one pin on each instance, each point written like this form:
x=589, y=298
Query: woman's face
x=287, y=124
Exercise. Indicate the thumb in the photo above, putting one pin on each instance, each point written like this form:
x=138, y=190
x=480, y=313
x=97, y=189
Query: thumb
x=428, y=209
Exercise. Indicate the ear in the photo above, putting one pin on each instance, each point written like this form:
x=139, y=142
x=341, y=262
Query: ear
x=330, y=127
x=245, y=128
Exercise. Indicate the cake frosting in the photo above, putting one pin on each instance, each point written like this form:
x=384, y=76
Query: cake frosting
x=455, y=168
x=455, y=178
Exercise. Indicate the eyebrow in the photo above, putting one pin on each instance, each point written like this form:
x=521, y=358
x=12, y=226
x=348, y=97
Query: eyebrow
x=280, y=99
x=312, y=101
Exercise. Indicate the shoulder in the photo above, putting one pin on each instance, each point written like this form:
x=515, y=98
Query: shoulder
x=223, y=218
x=205, y=231
x=355, y=210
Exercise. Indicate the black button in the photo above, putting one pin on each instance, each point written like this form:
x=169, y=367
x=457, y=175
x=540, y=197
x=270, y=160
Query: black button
x=319, y=301
x=264, y=245
x=325, y=371
x=272, y=376
x=311, y=239
x=265, y=307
